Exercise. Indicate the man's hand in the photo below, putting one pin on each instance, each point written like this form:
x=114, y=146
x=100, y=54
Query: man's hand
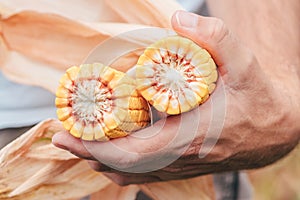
x=257, y=125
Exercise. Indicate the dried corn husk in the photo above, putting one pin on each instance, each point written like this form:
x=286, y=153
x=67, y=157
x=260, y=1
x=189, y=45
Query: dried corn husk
x=32, y=168
x=26, y=52
x=56, y=42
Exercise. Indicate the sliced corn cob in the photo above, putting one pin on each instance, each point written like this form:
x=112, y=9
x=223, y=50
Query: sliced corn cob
x=96, y=102
x=175, y=75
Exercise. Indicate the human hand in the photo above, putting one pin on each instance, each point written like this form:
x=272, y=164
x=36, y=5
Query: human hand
x=245, y=124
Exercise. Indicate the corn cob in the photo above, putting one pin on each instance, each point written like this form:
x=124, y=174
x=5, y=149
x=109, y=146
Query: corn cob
x=96, y=102
x=175, y=75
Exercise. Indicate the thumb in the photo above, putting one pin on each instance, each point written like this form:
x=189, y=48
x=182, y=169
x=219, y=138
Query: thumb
x=213, y=35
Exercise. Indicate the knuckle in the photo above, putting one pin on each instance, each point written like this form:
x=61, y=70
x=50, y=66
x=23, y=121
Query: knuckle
x=128, y=161
x=99, y=167
x=250, y=72
x=172, y=170
x=94, y=166
x=218, y=30
x=121, y=181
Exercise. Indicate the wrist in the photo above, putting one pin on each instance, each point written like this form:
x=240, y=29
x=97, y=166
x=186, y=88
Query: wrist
x=285, y=76
x=288, y=86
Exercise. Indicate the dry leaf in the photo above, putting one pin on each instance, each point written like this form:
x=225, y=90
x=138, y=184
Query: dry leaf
x=49, y=38
x=35, y=72
x=86, y=10
x=32, y=168
x=28, y=37
x=152, y=13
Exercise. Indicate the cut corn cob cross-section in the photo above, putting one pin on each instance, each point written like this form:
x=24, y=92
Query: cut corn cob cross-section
x=96, y=102
x=175, y=75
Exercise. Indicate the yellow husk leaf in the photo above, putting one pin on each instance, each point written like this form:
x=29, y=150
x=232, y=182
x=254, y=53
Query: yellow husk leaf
x=60, y=35
x=49, y=38
x=53, y=43
x=32, y=168
x=152, y=13
x=87, y=10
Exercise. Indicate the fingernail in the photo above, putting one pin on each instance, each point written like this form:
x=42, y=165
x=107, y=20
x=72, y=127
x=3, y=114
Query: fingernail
x=186, y=19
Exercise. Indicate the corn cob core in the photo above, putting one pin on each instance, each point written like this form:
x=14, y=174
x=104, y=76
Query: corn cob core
x=96, y=102
x=175, y=75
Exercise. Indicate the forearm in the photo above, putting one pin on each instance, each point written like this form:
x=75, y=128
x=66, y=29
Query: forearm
x=271, y=29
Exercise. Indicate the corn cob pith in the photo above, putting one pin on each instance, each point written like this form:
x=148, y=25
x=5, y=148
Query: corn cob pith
x=175, y=75
x=96, y=102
